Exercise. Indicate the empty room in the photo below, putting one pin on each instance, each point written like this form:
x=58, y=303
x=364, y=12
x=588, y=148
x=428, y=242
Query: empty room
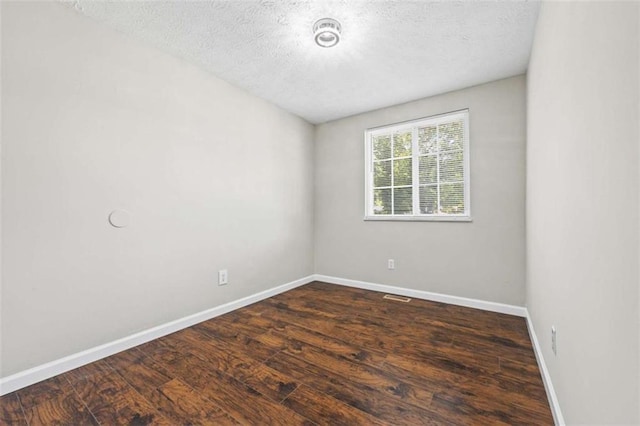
x=320, y=212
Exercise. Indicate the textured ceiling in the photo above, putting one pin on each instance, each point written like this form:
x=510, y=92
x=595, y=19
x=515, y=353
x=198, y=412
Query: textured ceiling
x=391, y=51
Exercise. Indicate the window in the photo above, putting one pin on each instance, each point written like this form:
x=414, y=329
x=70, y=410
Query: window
x=419, y=170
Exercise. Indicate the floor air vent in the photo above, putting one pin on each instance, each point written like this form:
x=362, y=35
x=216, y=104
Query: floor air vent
x=397, y=298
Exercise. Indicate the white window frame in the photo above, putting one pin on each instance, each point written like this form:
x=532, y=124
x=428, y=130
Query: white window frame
x=413, y=125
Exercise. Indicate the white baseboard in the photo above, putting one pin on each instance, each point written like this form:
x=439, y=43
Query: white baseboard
x=42, y=372
x=427, y=295
x=546, y=377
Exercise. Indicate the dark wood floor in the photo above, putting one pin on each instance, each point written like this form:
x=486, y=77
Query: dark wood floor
x=319, y=354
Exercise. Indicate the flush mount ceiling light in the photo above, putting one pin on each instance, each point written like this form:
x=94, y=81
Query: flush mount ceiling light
x=326, y=32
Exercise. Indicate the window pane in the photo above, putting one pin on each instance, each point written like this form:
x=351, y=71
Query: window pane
x=402, y=201
x=402, y=172
x=451, y=136
x=452, y=198
x=382, y=201
x=402, y=144
x=451, y=167
x=381, y=147
x=428, y=199
x=428, y=169
x=427, y=139
x=382, y=173
x=434, y=148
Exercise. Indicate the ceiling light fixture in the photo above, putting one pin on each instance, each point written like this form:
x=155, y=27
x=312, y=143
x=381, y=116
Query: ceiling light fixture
x=326, y=32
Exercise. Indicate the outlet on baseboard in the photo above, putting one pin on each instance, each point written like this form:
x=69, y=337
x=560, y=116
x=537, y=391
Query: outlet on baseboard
x=554, y=343
x=223, y=277
x=391, y=264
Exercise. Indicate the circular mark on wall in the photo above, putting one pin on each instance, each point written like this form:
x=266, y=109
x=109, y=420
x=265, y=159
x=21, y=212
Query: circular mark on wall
x=119, y=218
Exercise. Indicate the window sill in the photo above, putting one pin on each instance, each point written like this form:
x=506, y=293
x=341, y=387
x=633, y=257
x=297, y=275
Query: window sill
x=419, y=218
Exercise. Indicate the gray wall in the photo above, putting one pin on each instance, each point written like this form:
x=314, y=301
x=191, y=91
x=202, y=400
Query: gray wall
x=582, y=205
x=94, y=121
x=483, y=259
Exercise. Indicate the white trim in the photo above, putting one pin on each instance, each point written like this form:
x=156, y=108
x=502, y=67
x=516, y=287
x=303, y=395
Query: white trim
x=546, y=377
x=467, y=165
x=419, y=218
x=42, y=372
x=427, y=295
x=368, y=174
x=397, y=127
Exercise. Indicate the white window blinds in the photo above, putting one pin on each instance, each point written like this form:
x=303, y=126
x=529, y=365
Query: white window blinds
x=419, y=169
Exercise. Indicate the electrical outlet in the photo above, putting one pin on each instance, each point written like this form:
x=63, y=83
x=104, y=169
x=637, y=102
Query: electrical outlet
x=223, y=277
x=391, y=264
x=554, y=342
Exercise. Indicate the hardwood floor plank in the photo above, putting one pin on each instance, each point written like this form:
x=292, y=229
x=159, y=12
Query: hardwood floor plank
x=113, y=401
x=246, y=369
x=481, y=408
x=227, y=327
x=160, y=350
x=271, y=383
x=63, y=409
x=216, y=356
x=349, y=325
x=442, y=356
x=144, y=375
x=495, y=346
x=241, y=401
x=11, y=412
x=440, y=360
x=88, y=371
x=239, y=344
x=383, y=316
x=416, y=372
x=375, y=336
x=361, y=373
x=310, y=337
x=323, y=409
x=182, y=405
x=473, y=381
x=369, y=399
x=423, y=312
x=43, y=391
x=521, y=371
